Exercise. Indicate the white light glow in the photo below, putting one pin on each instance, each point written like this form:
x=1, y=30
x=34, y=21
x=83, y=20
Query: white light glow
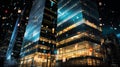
x=19, y=11
x=4, y=18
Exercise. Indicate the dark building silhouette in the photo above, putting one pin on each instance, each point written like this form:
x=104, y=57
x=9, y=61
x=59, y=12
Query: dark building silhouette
x=10, y=12
x=112, y=50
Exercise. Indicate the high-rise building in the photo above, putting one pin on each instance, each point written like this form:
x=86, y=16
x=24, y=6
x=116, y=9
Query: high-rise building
x=9, y=12
x=7, y=23
x=21, y=30
x=78, y=34
x=72, y=28
x=39, y=38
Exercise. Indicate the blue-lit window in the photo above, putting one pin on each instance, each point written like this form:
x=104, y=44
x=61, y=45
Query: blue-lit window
x=52, y=3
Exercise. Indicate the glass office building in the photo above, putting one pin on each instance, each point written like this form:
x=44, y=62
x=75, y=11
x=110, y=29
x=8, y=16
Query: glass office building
x=62, y=34
x=39, y=39
x=78, y=34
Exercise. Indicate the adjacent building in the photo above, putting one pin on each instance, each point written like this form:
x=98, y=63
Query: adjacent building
x=10, y=12
x=78, y=34
x=112, y=50
x=21, y=30
x=39, y=40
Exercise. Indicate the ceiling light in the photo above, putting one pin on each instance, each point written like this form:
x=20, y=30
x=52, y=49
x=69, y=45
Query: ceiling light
x=100, y=24
x=19, y=11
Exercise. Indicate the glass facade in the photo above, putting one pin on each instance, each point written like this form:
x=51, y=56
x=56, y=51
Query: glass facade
x=65, y=32
x=39, y=39
x=78, y=42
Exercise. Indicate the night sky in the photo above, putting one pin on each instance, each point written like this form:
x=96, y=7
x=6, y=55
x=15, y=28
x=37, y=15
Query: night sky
x=109, y=12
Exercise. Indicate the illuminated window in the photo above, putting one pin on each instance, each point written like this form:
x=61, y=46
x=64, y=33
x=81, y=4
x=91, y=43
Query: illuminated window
x=18, y=24
x=71, y=27
x=82, y=49
x=100, y=24
x=72, y=38
x=53, y=30
x=92, y=25
x=44, y=47
x=47, y=40
x=19, y=11
x=60, y=23
x=46, y=26
x=46, y=29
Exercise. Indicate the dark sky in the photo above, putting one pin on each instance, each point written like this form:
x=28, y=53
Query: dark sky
x=109, y=11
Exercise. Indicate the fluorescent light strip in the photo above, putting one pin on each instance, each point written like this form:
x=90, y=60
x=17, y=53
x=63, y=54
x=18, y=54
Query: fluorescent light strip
x=71, y=38
x=68, y=18
x=64, y=5
x=72, y=26
x=47, y=40
x=68, y=10
x=92, y=25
